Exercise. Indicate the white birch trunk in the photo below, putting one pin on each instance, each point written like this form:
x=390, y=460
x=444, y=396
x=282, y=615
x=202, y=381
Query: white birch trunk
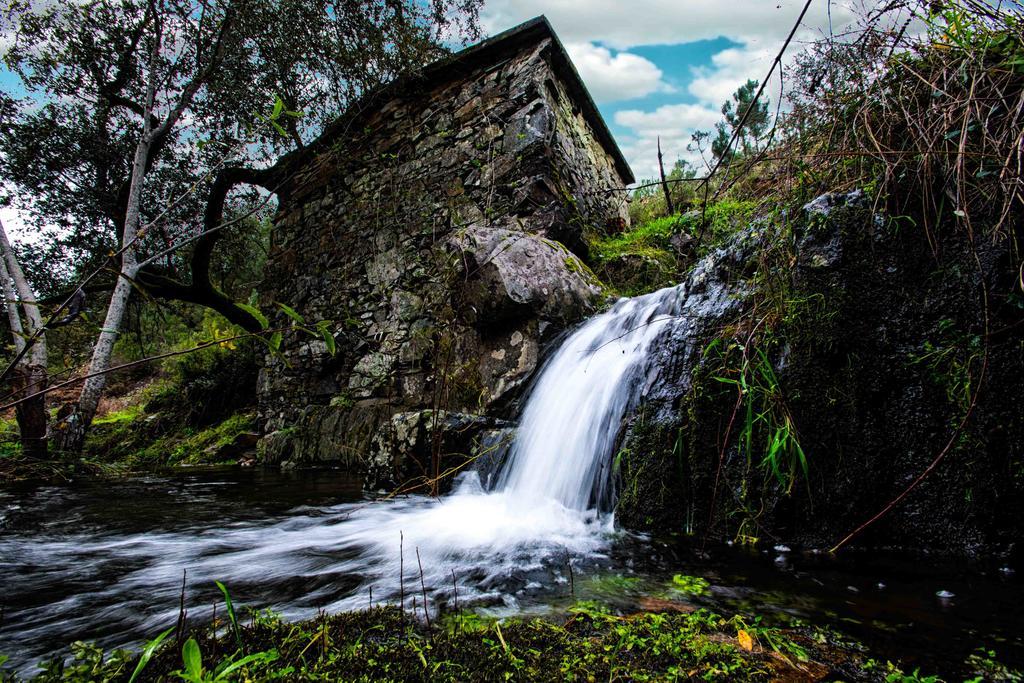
x=27, y=297
x=75, y=425
x=32, y=377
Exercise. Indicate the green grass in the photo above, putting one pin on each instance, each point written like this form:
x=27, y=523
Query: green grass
x=649, y=239
x=132, y=439
x=382, y=644
x=642, y=260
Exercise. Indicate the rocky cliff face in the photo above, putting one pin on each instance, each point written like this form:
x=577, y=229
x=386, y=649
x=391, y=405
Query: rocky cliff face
x=877, y=353
x=440, y=231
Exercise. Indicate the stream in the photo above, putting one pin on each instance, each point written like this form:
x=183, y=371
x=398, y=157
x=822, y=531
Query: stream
x=103, y=561
x=107, y=561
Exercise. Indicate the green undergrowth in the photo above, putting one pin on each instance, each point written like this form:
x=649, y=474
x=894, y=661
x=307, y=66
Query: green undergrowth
x=191, y=415
x=383, y=644
x=590, y=643
x=134, y=439
x=670, y=639
x=648, y=257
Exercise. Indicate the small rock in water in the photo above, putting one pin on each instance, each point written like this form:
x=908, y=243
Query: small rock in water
x=1006, y=571
x=782, y=549
x=853, y=589
x=781, y=560
x=881, y=586
x=944, y=595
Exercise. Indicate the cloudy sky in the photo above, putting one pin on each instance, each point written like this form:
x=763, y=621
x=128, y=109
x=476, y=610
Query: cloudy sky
x=664, y=67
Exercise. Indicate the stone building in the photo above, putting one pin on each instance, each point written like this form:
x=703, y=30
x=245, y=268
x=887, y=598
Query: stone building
x=440, y=228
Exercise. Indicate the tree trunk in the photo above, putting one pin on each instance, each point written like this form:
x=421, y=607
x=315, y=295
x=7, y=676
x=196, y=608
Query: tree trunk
x=31, y=415
x=30, y=376
x=74, y=423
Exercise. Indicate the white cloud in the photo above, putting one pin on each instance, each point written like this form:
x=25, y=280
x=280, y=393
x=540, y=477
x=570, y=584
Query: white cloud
x=615, y=77
x=730, y=69
x=668, y=119
x=623, y=25
x=673, y=124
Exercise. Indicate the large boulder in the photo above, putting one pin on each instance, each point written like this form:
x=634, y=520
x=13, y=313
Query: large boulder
x=509, y=275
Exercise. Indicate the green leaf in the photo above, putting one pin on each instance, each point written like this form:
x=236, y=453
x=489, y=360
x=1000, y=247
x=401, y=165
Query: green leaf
x=291, y=313
x=275, y=342
x=147, y=653
x=262, y=657
x=231, y=611
x=325, y=332
x=255, y=312
x=332, y=348
x=278, y=128
x=278, y=108
x=193, y=659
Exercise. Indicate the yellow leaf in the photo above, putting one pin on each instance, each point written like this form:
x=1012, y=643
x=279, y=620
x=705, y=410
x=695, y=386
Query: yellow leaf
x=746, y=642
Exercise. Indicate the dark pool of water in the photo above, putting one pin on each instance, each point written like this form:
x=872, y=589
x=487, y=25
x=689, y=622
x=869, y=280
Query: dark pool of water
x=103, y=561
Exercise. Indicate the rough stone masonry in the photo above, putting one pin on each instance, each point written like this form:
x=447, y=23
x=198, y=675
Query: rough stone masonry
x=440, y=227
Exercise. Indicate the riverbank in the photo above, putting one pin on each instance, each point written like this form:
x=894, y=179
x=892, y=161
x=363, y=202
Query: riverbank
x=591, y=644
x=103, y=561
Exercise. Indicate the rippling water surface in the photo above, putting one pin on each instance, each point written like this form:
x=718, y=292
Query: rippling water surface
x=104, y=562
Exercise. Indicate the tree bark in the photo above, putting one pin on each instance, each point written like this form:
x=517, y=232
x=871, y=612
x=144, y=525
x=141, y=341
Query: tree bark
x=74, y=424
x=30, y=375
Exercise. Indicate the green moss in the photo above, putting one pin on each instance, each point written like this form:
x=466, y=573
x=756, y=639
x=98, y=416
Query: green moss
x=131, y=439
x=649, y=239
x=119, y=417
x=690, y=585
x=643, y=259
x=344, y=401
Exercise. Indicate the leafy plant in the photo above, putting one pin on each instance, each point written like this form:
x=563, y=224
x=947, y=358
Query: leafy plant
x=691, y=585
x=231, y=612
x=147, y=653
x=194, y=672
x=768, y=433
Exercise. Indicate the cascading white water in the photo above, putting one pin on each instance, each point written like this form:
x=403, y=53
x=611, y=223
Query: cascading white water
x=572, y=418
x=545, y=505
x=547, y=500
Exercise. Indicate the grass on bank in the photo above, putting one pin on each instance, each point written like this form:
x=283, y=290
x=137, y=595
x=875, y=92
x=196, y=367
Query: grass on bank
x=657, y=252
x=383, y=644
x=133, y=439
x=591, y=644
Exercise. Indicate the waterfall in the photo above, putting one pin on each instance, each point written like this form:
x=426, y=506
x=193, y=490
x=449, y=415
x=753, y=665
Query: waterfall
x=568, y=429
x=551, y=499
x=549, y=504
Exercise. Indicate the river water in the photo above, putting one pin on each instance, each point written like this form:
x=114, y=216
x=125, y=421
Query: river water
x=103, y=561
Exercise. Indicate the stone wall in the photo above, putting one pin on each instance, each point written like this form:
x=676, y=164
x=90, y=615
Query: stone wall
x=439, y=228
